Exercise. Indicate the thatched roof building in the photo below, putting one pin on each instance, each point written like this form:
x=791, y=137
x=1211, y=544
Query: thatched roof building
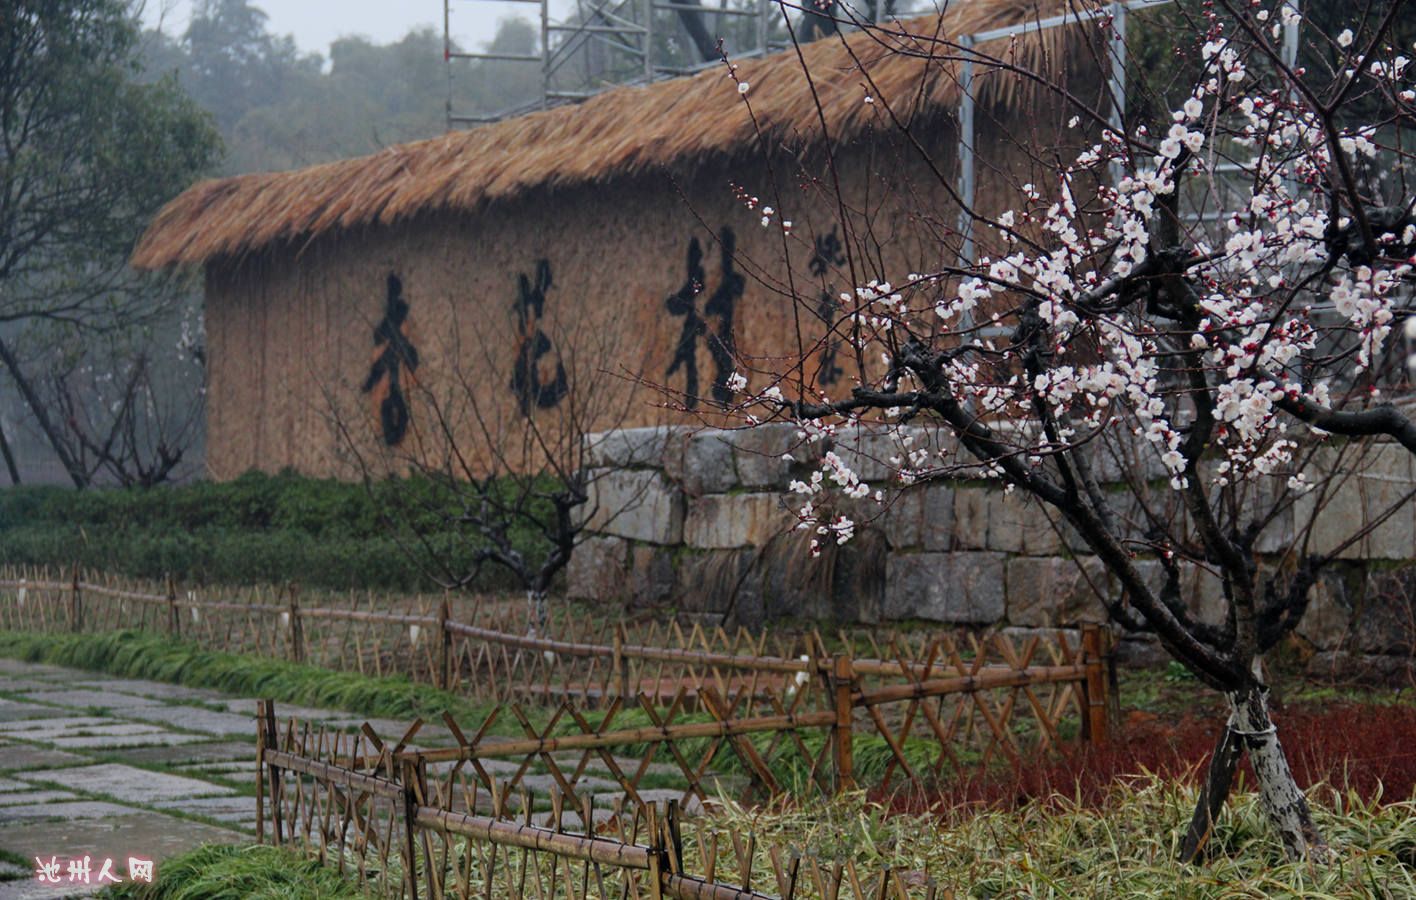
x=483, y=262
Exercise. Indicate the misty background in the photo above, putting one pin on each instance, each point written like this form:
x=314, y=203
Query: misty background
x=288, y=84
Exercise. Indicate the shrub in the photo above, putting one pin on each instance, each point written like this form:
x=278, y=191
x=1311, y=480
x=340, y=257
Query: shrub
x=257, y=528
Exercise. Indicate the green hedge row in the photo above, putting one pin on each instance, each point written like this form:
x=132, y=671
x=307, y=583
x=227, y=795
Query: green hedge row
x=257, y=528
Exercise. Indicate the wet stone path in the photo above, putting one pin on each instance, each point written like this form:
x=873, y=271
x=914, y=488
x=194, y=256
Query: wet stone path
x=113, y=768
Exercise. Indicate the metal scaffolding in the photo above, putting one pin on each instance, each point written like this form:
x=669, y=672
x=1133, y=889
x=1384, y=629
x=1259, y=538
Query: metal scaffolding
x=1117, y=10
x=639, y=34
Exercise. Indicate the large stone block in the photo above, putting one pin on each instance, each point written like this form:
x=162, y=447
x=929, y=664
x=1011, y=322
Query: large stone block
x=639, y=504
x=1017, y=523
x=1047, y=592
x=902, y=517
x=767, y=455
x=1327, y=621
x=1122, y=458
x=1367, y=482
x=962, y=588
x=878, y=455
x=724, y=521
x=631, y=447
x=1277, y=536
x=986, y=517
x=936, y=528
x=1386, y=620
x=874, y=455
x=971, y=517
x=717, y=583
x=1203, y=592
x=1344, y=665
x=597, y=569
x=651, y=574
x=708, y=463
x=921, y=516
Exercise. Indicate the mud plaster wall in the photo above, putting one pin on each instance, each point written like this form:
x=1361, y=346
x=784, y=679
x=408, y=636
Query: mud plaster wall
x=292, y=330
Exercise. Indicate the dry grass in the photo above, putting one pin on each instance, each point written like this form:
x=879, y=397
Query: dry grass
x=667, y=126
x=1126, y=848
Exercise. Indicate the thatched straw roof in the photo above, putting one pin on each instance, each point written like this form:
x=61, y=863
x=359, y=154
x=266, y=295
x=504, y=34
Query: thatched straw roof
x=623, y=132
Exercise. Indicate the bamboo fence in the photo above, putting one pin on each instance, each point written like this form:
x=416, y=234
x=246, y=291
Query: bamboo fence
x=929, y=696
x=374, y=811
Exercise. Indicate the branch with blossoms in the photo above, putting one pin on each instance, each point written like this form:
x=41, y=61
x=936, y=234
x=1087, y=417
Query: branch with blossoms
x=1215, y=293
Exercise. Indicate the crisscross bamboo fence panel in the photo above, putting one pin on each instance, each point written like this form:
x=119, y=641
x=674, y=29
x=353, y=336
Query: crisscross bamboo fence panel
x=371, y=810
x=929, y=696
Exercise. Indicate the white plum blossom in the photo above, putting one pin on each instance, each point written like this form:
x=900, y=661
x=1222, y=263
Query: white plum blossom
x=1272, y=305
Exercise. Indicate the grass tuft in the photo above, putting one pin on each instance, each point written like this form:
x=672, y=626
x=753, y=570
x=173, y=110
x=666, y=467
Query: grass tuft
x=1126, y=846
x=221, y=872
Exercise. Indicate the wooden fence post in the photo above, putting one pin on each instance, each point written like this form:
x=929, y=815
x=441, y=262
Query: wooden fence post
x=174, y=621
x=443, y=676
x=76, y=603
x=297, y=632
x=617, y=670
x=272, y=740
x=843, y=753
x=409, y=776
x=260, y=769
x=1113, y=686
x=1094, y=687
x=656, y=850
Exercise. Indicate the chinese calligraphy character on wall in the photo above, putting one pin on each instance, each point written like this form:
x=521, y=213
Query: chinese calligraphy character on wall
x=719, y=308
x=533, y=390
x=395, y=360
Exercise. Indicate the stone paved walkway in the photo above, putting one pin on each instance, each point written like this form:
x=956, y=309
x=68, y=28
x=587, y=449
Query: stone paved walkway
x=92, y=765
x=110, y=768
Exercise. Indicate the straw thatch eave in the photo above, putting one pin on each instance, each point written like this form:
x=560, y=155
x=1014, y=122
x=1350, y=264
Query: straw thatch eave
x=625, y=133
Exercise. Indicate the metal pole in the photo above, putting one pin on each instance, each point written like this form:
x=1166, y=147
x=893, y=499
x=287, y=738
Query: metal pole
x=447, y=56
x=1118, y=83
x=1290, y=36
x=1290, y=59
x=545, y=54
x=648, y=41
x=764, y=10
x=966, y=158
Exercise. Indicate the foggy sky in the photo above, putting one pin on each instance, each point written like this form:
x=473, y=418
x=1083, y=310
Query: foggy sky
x=316, y=23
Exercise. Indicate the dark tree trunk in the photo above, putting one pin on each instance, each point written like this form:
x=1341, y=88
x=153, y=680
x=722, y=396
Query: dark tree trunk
x=1250, y=729
x=818, y=19
x=537, y=612
x=1213, y=794
x=695, y=24
x=1282, y=799
x=9, y=458
x=76, y=472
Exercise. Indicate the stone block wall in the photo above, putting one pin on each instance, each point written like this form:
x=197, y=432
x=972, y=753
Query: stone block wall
x=701, y=519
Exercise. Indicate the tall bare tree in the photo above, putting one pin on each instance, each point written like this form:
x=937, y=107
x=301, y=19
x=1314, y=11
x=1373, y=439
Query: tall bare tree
x=88, y=152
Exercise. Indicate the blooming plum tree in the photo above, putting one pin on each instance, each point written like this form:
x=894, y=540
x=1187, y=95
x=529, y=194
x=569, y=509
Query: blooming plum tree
x=1210, y=299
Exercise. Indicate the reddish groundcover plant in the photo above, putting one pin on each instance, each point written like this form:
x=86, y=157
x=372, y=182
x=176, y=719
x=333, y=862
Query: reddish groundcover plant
x=1358, y=747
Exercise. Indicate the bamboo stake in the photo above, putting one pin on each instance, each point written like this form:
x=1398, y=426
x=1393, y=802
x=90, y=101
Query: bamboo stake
x=1094, y=687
